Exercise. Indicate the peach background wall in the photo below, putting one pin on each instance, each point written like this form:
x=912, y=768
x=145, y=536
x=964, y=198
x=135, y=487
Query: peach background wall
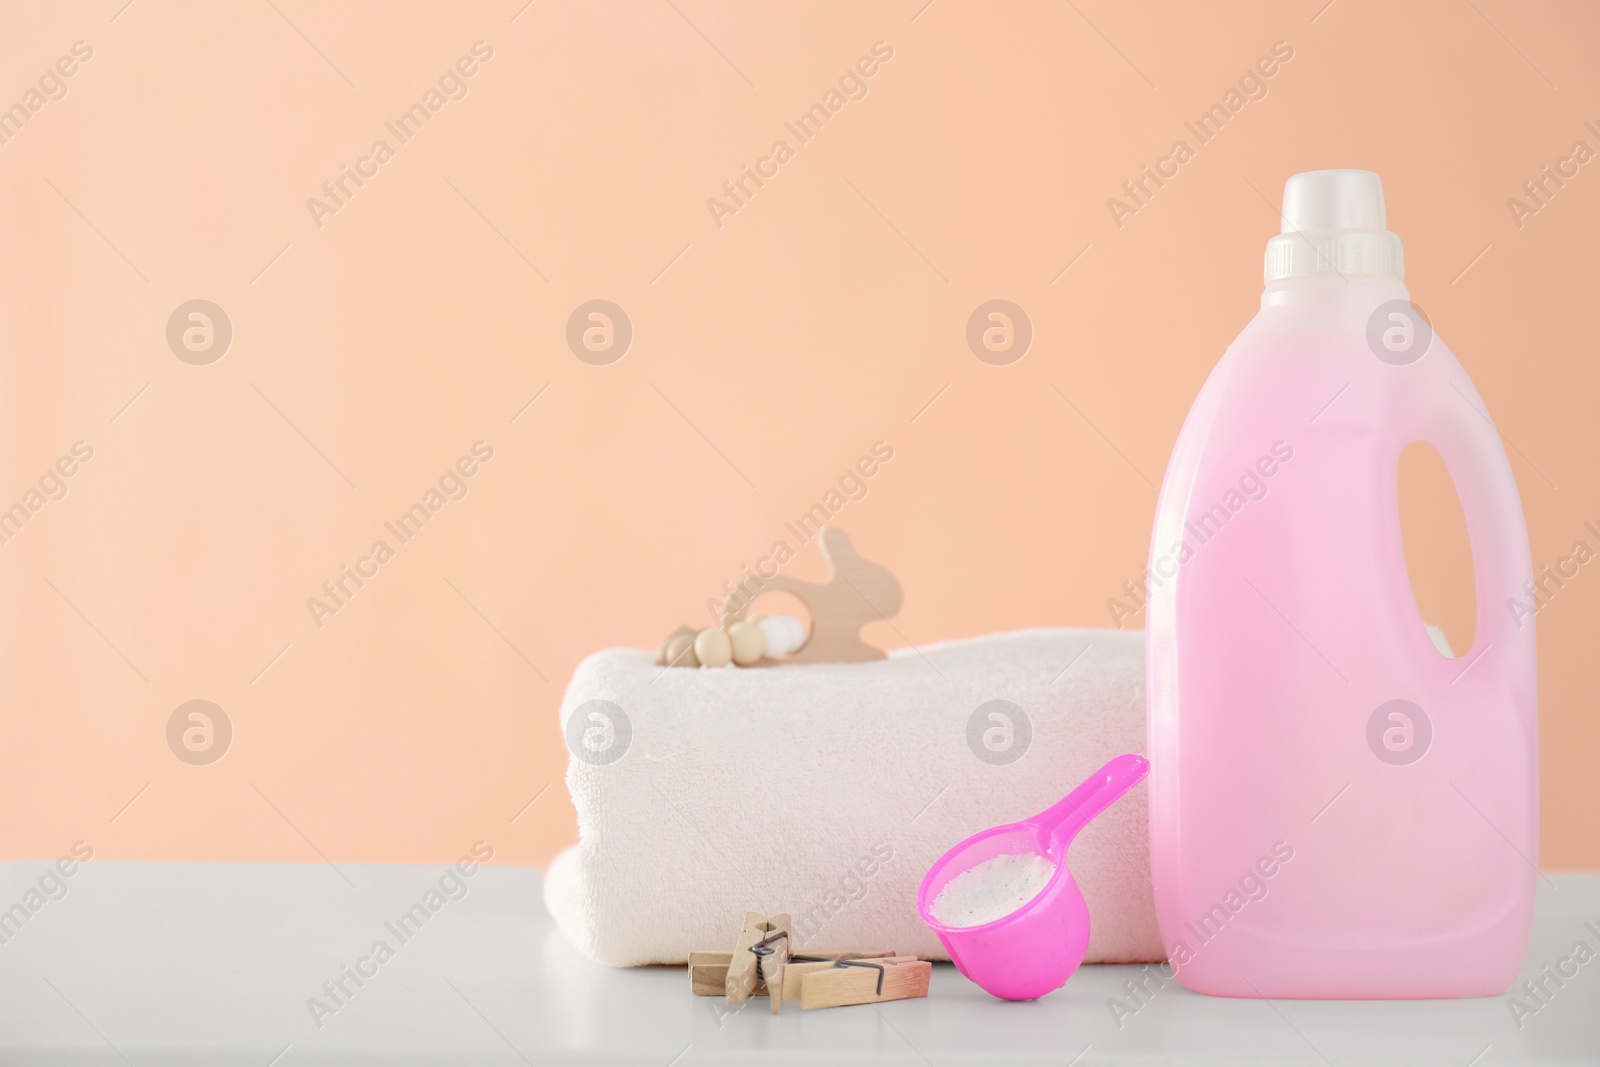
x=373, y=345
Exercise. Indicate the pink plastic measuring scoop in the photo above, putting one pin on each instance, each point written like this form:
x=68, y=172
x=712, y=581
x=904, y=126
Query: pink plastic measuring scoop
x=1036, y=948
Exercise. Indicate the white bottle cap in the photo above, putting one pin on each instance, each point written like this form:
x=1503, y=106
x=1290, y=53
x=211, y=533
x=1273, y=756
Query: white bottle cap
x=1333, y=223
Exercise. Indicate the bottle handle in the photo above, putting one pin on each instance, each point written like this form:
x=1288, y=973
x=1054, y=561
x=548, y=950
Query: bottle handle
x=1072, y=813
x=1457, y=424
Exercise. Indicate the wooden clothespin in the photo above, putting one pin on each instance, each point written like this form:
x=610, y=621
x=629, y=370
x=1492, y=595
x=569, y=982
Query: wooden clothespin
x=744, y=970
x=758, y=959
x=776, y=958
x=839, y=982
x=765, y=962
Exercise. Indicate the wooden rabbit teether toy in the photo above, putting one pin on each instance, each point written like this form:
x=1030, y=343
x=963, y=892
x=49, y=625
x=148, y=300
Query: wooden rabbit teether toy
x=857, y=592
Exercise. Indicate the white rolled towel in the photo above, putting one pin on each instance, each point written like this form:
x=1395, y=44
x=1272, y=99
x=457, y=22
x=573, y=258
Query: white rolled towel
x=827, y=790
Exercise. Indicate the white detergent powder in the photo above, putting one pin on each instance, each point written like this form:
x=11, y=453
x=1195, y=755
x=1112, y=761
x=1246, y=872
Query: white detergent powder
x=993, y=889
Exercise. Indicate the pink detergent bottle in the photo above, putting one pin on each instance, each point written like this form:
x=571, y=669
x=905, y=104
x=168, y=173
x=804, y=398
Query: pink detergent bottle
x=1338, y=808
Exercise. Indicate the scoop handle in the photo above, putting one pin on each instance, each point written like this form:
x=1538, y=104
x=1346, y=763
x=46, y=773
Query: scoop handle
x=1072, y=813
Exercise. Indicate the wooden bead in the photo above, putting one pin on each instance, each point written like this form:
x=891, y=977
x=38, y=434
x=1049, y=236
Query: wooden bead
x=713, y=648
x=797, y=633
x=749, y=643
x=663, y=653
x=784, y=634
x=680, y=650
x=776, y=635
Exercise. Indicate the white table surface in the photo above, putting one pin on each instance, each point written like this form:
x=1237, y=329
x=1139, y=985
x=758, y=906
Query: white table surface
x=212, y=963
